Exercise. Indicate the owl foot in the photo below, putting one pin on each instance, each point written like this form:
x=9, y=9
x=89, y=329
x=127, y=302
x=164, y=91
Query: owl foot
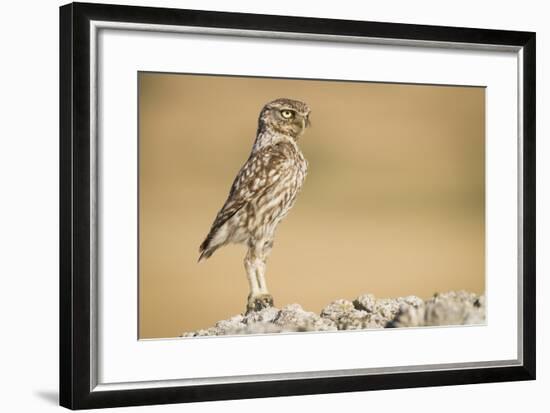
x=259, y=302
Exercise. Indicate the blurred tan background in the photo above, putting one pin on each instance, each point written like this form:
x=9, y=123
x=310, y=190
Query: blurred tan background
x=393, y=203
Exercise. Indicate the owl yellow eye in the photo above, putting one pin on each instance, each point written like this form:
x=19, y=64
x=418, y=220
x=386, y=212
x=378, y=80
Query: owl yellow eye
x=287, y=114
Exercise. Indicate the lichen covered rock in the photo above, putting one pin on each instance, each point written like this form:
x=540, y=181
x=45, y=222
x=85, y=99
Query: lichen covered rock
x=365, y=312
x=452, y=308
x=381, y=311
x=345, y=315
x=294, y=316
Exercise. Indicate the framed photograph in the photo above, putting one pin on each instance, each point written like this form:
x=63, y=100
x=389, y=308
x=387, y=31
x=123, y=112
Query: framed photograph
x=257, y=206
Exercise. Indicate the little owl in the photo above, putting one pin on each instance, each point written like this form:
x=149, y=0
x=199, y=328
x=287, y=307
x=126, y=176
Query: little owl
x=262, y=193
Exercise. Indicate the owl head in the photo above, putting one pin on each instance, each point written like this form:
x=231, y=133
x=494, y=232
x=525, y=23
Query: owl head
x=285, y=116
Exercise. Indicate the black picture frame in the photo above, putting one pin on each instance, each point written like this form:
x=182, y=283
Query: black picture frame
x=75, y=219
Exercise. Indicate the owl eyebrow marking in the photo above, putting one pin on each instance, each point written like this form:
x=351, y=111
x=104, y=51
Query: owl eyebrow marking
x=262, y=194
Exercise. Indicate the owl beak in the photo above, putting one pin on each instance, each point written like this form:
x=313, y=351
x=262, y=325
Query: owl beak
x=308, y=122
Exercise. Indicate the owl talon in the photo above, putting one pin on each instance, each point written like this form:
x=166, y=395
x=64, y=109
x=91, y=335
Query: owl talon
x=259, y=302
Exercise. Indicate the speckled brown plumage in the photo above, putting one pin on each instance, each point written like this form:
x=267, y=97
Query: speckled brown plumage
x=263, y=192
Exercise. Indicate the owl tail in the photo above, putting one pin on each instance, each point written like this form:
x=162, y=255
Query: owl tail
x=205, y=250
x=204, y=255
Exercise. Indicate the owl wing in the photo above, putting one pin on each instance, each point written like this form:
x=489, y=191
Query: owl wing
x=262, y=171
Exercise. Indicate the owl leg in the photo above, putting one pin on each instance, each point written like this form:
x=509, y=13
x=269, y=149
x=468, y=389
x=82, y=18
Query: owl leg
x=266, y=250
x=258, y=298
x=250, y=267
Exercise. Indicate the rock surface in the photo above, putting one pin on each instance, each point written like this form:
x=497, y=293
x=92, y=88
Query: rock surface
x=452, y=308
x=366, y=311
